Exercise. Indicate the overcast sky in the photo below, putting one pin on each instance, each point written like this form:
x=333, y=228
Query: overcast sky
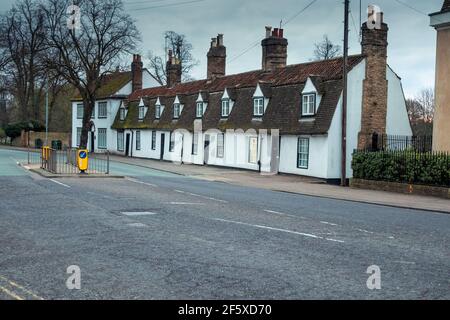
x=411, y=41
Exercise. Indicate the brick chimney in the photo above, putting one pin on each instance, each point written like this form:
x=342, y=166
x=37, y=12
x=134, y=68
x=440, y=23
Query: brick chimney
x=274, y=48
x=217, y=58
x=136, y=72
x=375, y=85
x=173, y=70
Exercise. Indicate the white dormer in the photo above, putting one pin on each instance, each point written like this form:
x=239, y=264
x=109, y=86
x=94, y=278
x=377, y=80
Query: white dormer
x=260, y=102
x=122, y=112
x=177, y=108
x=310, y=99
x=159, y=109
x=227, y=105
x=200, y=106
x=142, y=110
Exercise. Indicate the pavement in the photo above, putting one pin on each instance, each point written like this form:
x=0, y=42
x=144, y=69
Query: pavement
x=160, y=235
x=293, y=184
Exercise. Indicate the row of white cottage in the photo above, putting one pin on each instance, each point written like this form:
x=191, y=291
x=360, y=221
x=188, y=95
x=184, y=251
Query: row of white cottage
x=288, y=120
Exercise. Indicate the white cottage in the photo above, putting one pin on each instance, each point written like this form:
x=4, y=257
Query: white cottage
x=280, y=119
x=116, y=87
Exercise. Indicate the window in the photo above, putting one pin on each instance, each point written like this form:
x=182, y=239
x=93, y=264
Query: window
x=303, y=153
x=141, y=113
x=253, y=150
x=80, y=111
x=309, y=104
x=120, y=141
x=220, y=145
x=153, y=140
x=138, y=140
x=172, y=142
x=199, y=112
x=258, y=107
x=78, y=137
x=195, y=144
x=176, y=111
x=102, y=138
x=122, y=114
x=102, y=110
x=158, y=111
x=225, y=108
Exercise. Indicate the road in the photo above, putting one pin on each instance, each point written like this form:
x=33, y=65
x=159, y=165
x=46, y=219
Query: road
x=156, y=235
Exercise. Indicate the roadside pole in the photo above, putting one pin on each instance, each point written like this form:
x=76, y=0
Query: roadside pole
x=46, y=116
x=344, y=97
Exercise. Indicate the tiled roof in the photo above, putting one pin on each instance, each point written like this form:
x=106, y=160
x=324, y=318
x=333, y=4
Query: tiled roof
x=111, y=83
x=446, y=6
x=282, y=88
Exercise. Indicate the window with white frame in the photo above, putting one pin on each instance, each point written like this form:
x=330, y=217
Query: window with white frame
x=258, y=107
x=141, y=112
x=172, y=142
x=102, y=138
x=102, y=110
x=199, y=112
x=309, y=104
x=303, y=153
x=195, y=144
x=138, y=140
x=225, y=108
x=122, y=114
x=153, y=140
x=80, y=111
x=158, y=109
x=220, y=145
x=120, y=140
x=253, y=150
x=176, y=110
x=78, y=137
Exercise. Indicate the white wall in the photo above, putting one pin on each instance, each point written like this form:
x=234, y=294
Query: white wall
x=397, y=115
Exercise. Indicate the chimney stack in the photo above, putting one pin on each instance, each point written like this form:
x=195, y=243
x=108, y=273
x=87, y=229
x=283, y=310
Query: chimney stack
x=274, y=48
x=217, y=56
x=136, y=72
x=375, y=86
x=173, y=70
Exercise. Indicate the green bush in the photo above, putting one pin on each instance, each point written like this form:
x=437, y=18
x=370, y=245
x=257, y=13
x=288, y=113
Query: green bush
x=15, y=129
x=2, y=133
x=403, y=166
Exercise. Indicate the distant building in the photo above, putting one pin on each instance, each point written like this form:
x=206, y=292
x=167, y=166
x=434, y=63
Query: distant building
x=441, y=127
x=116, y=87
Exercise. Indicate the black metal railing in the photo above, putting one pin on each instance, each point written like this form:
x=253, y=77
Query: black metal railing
x=65, y=162
x=400, y=143
x=403, y=166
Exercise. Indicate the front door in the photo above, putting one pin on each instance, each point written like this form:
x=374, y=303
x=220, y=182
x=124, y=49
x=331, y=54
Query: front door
x=163, y=138
x=127, y=145
x=206, y=153
x=92, y=141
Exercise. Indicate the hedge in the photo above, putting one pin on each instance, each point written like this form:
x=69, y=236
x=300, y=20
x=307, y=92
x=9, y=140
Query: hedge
x=403, y=166
x=15, y=129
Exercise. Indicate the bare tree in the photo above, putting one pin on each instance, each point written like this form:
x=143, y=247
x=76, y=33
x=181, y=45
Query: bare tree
x=182, y=51
x=22, y=45
x=83, y=53
x=326, y=49
x=422, y=107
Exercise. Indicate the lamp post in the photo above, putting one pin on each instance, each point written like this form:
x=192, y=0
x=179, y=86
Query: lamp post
x=46, y=116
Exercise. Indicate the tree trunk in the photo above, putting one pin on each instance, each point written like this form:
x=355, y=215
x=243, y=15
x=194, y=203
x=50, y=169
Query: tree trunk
x=89, y=104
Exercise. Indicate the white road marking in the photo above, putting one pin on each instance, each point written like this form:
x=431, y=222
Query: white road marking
x=137, y=225
x=179, y=191
x=143, y=183
x=275, y=212
x=280, y=230
x=10, y=293
x=15, y=295
x=60, y=183
x=186, y=203
x=200, y=196
x=138, y=214
x=329, y=223
x=365, y=231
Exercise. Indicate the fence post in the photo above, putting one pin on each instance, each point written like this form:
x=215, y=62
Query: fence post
x=107, y=162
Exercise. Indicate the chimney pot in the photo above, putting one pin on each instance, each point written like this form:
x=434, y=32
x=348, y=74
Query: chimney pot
x=268, y=31
x=281, y=33
x=213, y=42
x=220, y=40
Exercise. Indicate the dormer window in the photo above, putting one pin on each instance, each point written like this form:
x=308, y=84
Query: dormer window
x=141, y=113
x=158, y=111
x=176, y=110
x=258, y=107
x=122, y=114
x=225, y=108
x=199, y=110
x=308, y=104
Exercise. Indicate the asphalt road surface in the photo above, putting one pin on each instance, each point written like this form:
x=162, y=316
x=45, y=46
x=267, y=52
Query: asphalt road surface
x=156, y=235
